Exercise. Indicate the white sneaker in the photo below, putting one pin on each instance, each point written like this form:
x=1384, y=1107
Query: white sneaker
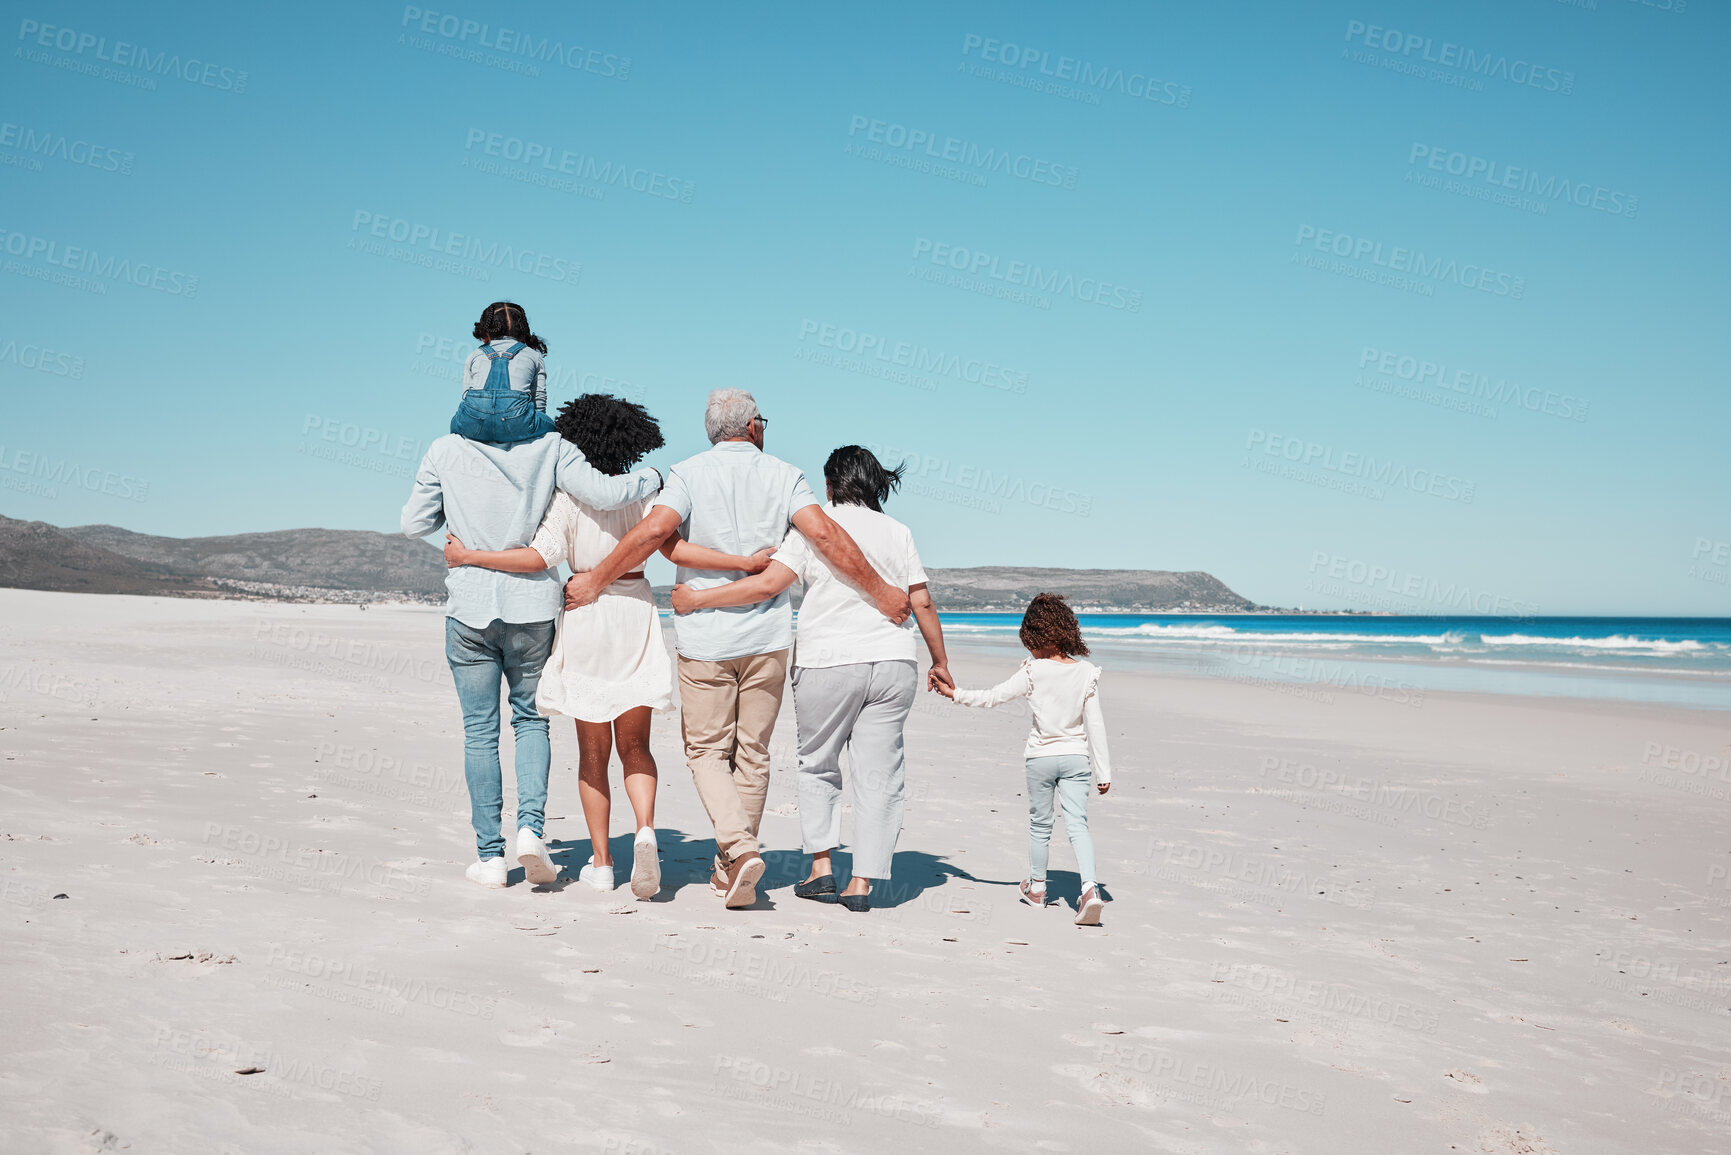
x=487, y=872
x=645, y=864
x=532, y=853
x=599, y=877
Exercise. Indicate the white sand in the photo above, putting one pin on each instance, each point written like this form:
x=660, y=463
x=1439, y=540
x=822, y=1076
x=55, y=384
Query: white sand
x=1481, y=925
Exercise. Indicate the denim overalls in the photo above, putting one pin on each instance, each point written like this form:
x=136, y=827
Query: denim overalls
x=496, y=412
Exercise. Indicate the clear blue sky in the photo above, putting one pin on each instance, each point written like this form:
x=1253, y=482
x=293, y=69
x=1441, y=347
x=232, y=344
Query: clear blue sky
x=1253, y=184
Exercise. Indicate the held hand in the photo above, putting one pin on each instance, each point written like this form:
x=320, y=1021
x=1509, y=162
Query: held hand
x=456, y=553
x=1103, y=787
x=938, y=678
x=759, y=561
x=684, y=599
x=580, y=591
x=894, y=605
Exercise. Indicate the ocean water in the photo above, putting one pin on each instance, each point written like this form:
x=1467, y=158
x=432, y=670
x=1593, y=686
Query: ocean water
x=1675, y=661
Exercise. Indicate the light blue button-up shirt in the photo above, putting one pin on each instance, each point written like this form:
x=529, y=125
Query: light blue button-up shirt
x=737, y=499
x=493, y=497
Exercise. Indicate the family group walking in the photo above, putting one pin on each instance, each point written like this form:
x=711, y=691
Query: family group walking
x=519, y=492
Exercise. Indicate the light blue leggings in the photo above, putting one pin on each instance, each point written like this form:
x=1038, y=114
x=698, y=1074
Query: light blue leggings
x=1070, y=777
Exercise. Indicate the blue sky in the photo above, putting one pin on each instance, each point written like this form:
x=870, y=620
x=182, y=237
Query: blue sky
x=1433, y=293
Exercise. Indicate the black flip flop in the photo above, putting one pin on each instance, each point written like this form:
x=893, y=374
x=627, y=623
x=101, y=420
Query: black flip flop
x=820, y=889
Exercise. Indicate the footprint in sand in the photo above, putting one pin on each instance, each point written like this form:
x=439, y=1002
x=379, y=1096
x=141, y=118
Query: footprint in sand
x=1522, y=1140
x=1467, y=1081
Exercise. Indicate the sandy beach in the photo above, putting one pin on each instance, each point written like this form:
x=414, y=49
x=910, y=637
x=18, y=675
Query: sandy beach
x=233, y=837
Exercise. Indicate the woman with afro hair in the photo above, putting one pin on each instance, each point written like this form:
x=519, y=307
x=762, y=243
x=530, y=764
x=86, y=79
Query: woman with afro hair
x=609, y=669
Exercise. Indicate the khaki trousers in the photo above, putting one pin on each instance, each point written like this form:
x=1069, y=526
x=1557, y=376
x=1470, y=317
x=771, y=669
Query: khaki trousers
x=727, y=713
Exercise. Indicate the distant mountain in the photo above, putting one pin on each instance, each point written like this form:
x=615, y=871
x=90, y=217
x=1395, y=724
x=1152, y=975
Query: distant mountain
x=36, y=556
x=1010, y=588
x=332, y=559
x=359, y=566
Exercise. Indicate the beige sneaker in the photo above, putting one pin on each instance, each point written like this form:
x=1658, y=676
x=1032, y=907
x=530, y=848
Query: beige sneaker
x=742, y=880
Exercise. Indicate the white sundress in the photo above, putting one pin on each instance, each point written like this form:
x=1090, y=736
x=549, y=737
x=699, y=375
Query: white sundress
x=608, y=657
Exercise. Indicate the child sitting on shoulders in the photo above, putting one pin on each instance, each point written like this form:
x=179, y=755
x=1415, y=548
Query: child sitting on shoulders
x=504, y=381
x=1066, y=746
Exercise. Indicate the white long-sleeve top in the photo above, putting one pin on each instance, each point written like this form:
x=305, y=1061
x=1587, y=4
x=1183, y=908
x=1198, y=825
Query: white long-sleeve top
x=1065, y=699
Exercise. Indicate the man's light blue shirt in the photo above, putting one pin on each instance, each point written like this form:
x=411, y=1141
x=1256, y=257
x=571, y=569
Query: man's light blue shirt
x=493, y=497
x=737, y=499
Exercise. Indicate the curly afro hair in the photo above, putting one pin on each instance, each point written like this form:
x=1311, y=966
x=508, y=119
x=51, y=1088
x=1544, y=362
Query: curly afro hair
x=1050, y=623
x=613, y=433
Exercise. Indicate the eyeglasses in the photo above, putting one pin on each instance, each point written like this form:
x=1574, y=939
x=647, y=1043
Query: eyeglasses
x=761, y=419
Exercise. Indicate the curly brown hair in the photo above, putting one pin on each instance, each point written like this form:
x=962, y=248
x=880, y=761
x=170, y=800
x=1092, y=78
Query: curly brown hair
x=1050, y=623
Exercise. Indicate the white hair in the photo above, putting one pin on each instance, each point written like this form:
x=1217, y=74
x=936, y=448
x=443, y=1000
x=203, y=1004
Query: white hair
x=729, y=414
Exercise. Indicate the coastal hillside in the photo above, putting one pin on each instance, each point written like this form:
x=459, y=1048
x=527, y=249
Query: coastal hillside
x=332, y=565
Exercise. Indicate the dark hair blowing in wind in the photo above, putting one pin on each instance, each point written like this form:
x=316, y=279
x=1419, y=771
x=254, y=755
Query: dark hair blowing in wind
x=507, y=319
x=856, y=477
x=1051, y=624
x=612, y=433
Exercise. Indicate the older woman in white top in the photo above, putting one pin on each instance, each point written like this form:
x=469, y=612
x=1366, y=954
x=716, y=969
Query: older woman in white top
x=854, y=676
x=609, y=669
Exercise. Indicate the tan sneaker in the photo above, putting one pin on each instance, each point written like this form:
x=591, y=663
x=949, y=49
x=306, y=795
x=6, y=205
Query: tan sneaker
x=742, y=880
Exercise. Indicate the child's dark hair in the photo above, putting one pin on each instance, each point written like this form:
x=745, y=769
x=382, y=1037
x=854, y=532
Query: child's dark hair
x=507, y=319
x=856, y=477
x=1050, y=623
x=613, y=433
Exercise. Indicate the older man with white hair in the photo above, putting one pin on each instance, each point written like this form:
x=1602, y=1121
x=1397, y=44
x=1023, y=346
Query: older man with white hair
x=733, y=661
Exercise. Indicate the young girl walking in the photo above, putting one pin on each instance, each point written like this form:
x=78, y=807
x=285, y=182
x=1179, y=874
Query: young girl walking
x=1066, y=745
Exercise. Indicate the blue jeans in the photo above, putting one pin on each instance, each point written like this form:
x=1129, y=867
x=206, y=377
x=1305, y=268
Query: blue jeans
x=1070, y=776
x=479, y=659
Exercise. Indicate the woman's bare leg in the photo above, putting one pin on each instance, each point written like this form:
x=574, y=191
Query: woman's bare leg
x=631, y=732
x=594, y=752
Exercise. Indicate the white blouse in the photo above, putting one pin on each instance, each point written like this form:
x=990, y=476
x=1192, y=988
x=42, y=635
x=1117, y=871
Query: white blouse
x=1065, y=699
x=581, y=536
